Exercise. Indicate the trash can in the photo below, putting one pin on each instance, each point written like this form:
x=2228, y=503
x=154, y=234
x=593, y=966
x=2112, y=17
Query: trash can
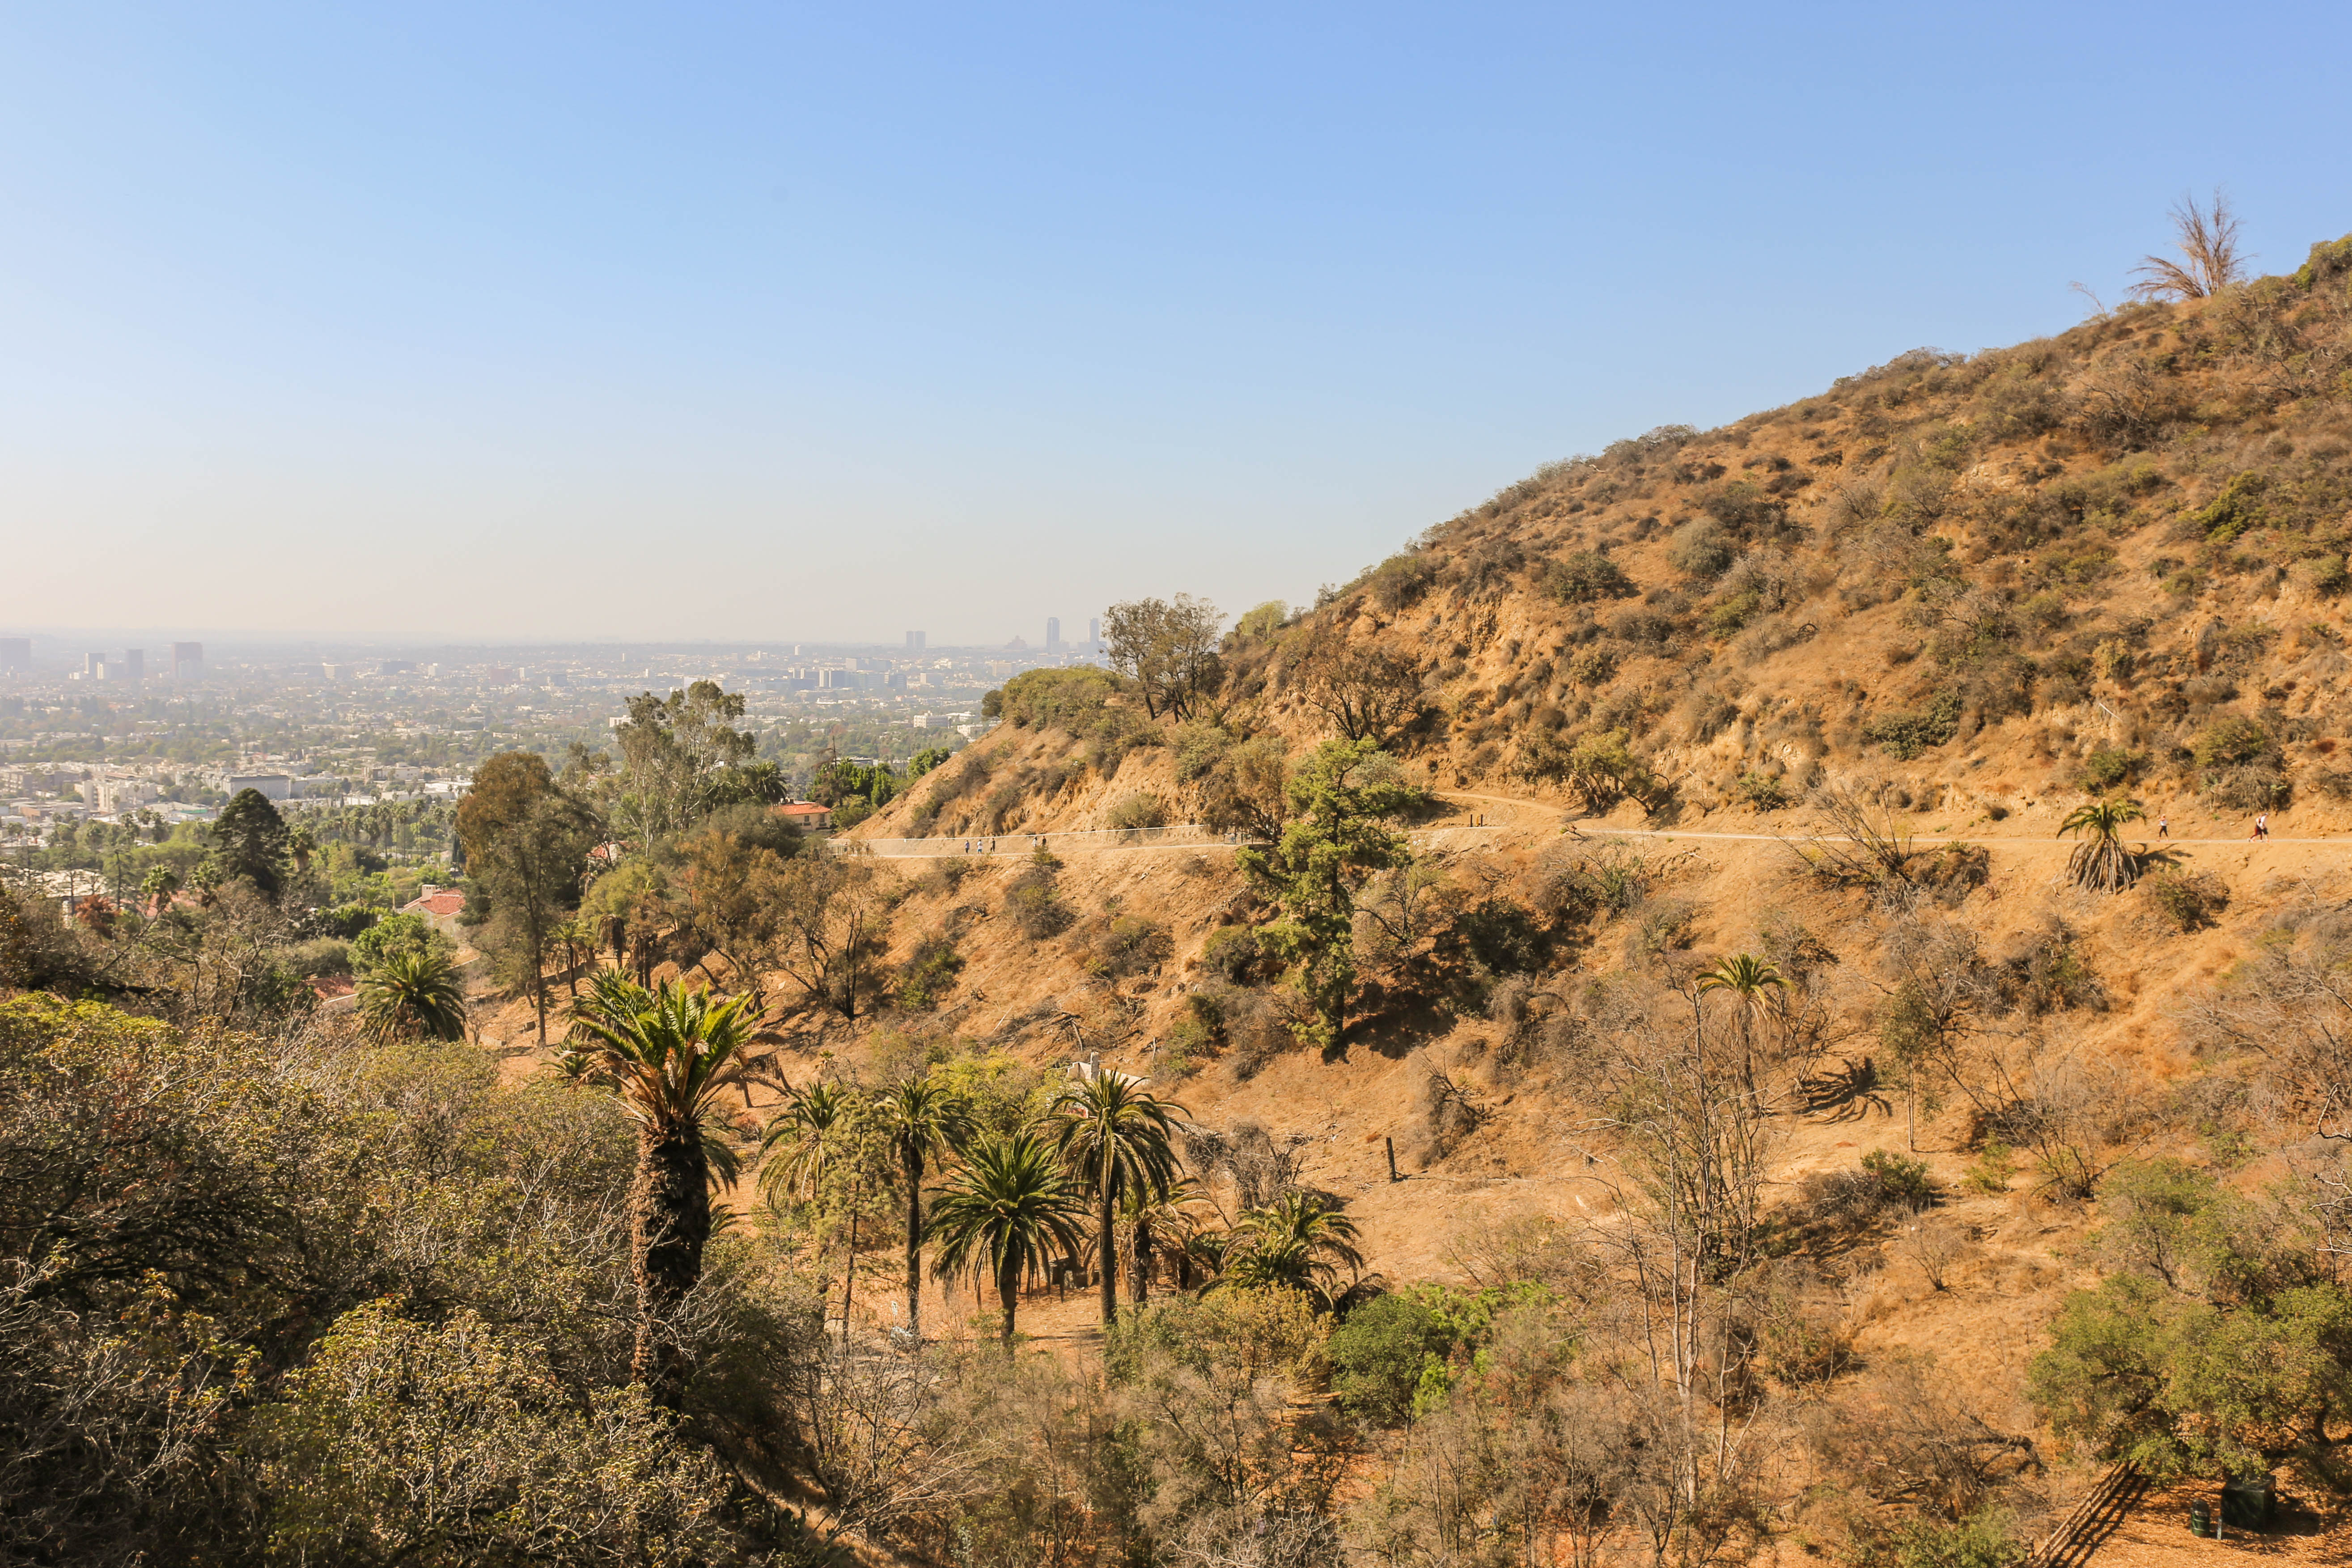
x=2200, y=1518
x=2247, y=1501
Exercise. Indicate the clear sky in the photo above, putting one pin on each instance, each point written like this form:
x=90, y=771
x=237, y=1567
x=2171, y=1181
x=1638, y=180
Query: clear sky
x=828, y=322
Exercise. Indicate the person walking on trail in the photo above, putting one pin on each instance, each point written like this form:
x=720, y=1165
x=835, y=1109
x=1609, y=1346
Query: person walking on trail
x=2263, y=824
x=2164, y=827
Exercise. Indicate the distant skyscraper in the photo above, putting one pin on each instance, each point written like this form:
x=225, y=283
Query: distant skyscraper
x=187, y=661
x=1053, y=634
x=914, y=642
x=1094, y=631
x=15, y=654
x=134, y=666
x=93, y=667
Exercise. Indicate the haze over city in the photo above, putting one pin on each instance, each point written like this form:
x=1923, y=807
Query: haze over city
x=508, y=323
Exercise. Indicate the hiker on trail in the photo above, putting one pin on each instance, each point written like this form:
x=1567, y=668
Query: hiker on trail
x=2164, y=827
x=2263, y=825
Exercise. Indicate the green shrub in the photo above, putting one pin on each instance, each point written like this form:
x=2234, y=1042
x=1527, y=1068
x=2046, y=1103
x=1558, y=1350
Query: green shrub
x=1906, y=735
x=1233, y=954
x=1700, y=550
x=1378, y=1355
x=1118, y=946
x=1733, y=613
x=1031, y=900
x=1141, y=809
x=2189, y=901
x=2324, y=573
x=1070, y=699
x=2233, y=742
x=930, y=973
x=2238, y=508
x=1587, y=576
x=1762, y=791
x=2109, y=767
x=1989, y=1176
x=1987, y=1540
x=397, y=933
x=1903, y=1181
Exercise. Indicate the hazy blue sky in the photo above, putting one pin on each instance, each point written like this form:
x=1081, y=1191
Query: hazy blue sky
x=831, y=321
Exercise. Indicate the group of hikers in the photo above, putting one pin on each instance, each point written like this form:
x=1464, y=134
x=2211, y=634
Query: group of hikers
x=2261, y=826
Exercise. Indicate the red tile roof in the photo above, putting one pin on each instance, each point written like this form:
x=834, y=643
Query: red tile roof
x=438, y=904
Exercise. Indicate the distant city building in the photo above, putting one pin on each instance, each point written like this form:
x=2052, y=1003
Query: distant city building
x=93, y=667
x=15, y=654
x=806, y=816
x=1094, y=631
x=331, y=671
x=1053, y=634
x=1018, y=645
x=914, y=642
x=271, y=786
x=187, y=661
x=395, y=667
x=134, y=665
x=500, y=675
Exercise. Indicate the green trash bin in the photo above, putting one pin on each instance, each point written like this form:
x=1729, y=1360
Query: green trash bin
x=2200, y=1518
x=2248, y=1501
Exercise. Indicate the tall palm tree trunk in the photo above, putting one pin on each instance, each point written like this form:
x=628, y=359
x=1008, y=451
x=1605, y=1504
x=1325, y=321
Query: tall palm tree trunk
x=669, y=1223
x=1139, y=1265
x=1008, y=1294
x=915, y=1240
x=1106, y=1253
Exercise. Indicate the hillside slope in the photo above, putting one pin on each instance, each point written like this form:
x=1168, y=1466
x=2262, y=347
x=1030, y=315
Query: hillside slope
x=1948, y=600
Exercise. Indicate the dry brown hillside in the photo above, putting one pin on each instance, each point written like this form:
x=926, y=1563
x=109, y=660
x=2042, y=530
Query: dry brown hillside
x=1656, y=698
x=1957, y=595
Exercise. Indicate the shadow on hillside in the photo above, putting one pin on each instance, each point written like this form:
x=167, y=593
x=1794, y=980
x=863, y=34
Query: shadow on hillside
x=1404, y=1026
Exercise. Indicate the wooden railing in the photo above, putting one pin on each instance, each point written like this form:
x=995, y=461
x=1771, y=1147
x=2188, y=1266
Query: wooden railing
x=2093, y=1520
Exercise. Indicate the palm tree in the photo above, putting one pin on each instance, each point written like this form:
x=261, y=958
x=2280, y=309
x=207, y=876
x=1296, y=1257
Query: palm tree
x=1299, y=1241
x=1008, y=1209
x=157, y=888
x=794, y=1147
x=1152, y=1222
x=1116, y=1137
x=921, y=1116
x=669, y=1054
x=301, y=845
x=413, y=994
x=2101, y=861
x=1755, y=987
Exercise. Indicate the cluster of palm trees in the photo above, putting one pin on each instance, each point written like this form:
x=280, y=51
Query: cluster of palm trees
x=1095, y=1177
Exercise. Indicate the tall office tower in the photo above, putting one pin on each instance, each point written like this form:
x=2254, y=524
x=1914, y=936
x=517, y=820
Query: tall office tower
x=1053, y=634
x=914, y=642
x=17, y=655
x=134, y=665
x=1094, y=630
x=187, y=661
x=93, y=667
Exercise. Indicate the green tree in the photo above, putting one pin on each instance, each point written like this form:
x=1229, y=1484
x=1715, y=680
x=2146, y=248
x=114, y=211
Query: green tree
x=2100, y=861
x=1170, y=648
x=669, y=1055
x=448, y=1442
x=796, y=1145
x=923, y=1118
x=1339, y=833
x=1009, y=1208
x=1298, y=1242
x=677, y=754
x=1755, y=988
x=527, y=840
x=412, y=992
x=1119, y=1138
x=833, y=920
x=249, y=841
x=2215, y=1347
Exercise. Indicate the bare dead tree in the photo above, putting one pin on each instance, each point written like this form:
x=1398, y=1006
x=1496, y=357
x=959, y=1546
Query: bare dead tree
x=2207, y=238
